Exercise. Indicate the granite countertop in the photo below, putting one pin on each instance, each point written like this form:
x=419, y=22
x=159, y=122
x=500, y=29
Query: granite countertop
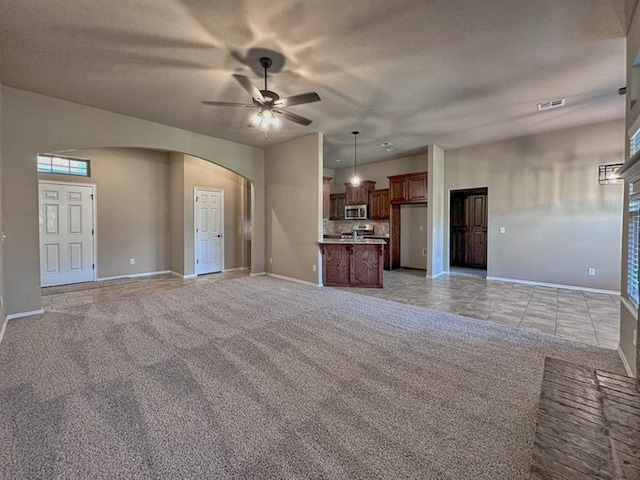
x=328, y=236
x=337, y=241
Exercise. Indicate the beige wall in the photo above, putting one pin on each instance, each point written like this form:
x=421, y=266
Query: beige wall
x=2, y=309
x=435, y=212
x=199, y=173
x=413, y=235
x=293, y=178
x=145, y=209
x=379, y=171
x=544, y=190
x=176, y=212
x=33, y=123
x=132, y=208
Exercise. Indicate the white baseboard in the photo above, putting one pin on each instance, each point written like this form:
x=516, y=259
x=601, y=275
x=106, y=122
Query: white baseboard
x=625, y=362
x=436, y=275
x=136, y=275
x=553, y=285
x=290, y=279
x=237, y=269
x=13, y=316
x=4, y=326
x=186, y=277
x=257, y=274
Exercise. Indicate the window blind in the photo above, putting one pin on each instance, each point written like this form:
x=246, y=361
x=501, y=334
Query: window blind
x=633, y=250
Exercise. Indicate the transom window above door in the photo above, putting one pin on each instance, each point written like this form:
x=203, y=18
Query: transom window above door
x=63, y=165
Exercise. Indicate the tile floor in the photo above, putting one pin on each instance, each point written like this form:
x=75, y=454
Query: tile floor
x=586, y=317
x=56, y=298
x=582, y=316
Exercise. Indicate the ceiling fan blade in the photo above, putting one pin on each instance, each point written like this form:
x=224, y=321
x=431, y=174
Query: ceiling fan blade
x=293, y=117
x=227, y=104
x=298, y=99
x=249, y=87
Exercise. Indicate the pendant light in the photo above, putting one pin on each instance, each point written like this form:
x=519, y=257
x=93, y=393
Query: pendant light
x=355, y=180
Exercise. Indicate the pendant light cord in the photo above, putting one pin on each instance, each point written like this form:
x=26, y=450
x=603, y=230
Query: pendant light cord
x=355, y=153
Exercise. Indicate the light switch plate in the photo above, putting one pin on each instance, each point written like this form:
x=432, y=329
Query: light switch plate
x=502, y=230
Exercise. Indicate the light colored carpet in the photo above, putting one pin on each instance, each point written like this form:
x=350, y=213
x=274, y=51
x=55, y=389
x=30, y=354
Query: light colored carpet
x=258, y=378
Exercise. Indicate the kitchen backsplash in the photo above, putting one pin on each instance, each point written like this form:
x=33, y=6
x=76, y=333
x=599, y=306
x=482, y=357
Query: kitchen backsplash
x=335, y=227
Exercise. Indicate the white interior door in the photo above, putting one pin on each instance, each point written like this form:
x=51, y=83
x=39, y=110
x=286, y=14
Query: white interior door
x=209, y=226
x=66, y=233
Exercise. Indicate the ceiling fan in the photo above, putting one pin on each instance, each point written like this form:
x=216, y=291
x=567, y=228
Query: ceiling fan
x=269, y=102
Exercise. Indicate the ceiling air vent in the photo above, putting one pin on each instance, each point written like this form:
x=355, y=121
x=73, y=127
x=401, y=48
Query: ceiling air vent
x=549, y=105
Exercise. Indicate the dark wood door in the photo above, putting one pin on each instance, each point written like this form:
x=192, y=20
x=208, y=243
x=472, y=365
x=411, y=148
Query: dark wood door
x=468, y=239
x=458, y=231
x=476, y=206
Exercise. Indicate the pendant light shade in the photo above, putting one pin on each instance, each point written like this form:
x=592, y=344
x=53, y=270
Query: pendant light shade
x=355, y=180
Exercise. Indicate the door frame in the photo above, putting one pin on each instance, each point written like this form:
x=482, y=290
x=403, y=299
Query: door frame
x=466, y=192
x=195, y=222
x=94, y=226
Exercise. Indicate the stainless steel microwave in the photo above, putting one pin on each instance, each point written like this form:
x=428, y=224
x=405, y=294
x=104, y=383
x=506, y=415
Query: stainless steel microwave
x=355, y=212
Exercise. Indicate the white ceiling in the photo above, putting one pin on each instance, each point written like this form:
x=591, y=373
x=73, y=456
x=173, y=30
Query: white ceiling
x=412, y=72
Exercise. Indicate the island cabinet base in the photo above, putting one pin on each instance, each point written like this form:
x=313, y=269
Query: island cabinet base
x=352, y=264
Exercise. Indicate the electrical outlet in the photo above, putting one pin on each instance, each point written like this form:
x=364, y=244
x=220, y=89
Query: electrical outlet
x=592, y=272
x=270, y=260
x=502, y=230
x=313, y=267
x=424, y=252
x=132, y=261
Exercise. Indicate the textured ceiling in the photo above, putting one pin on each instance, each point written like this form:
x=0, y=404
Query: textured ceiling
x=412, y=72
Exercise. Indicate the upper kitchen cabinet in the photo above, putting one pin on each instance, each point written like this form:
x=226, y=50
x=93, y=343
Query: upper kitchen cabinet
x=326, y=200
x=359, y=195
x=408, y=188
x=379, y=204
x=336, y=206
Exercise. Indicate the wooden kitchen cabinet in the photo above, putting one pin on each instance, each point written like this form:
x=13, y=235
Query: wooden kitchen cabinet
x=359, y=195
x=352, y=264
x=387, y=254
x=379, y=204
x=326, y=197
x=336, y=206
x=408, y=188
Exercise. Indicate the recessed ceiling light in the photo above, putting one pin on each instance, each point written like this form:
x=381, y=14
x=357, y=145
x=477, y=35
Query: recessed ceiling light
x=338, y=160
x=389, y=149
x=551, y=104
x=385, y=144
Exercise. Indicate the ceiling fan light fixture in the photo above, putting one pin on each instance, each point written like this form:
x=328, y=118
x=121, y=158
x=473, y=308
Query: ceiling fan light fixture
x=265, y=119
x=269, y=102
x=256, y=119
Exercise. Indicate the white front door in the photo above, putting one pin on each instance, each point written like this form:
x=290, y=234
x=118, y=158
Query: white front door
x=209, y=222
x=66, y=233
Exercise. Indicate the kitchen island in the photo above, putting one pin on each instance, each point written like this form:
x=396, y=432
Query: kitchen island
x=352, y=263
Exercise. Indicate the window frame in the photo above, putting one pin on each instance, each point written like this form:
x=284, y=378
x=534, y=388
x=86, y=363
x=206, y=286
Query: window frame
x=633, y=246
x=59, y=169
